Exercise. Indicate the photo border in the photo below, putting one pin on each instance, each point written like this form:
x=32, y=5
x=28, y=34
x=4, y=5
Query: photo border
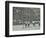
x=7, y=18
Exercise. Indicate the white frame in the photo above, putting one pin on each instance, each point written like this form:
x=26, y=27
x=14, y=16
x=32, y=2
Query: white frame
x=11, y=5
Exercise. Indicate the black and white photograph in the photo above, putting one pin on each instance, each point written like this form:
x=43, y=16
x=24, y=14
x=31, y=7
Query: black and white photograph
x=24, y=18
